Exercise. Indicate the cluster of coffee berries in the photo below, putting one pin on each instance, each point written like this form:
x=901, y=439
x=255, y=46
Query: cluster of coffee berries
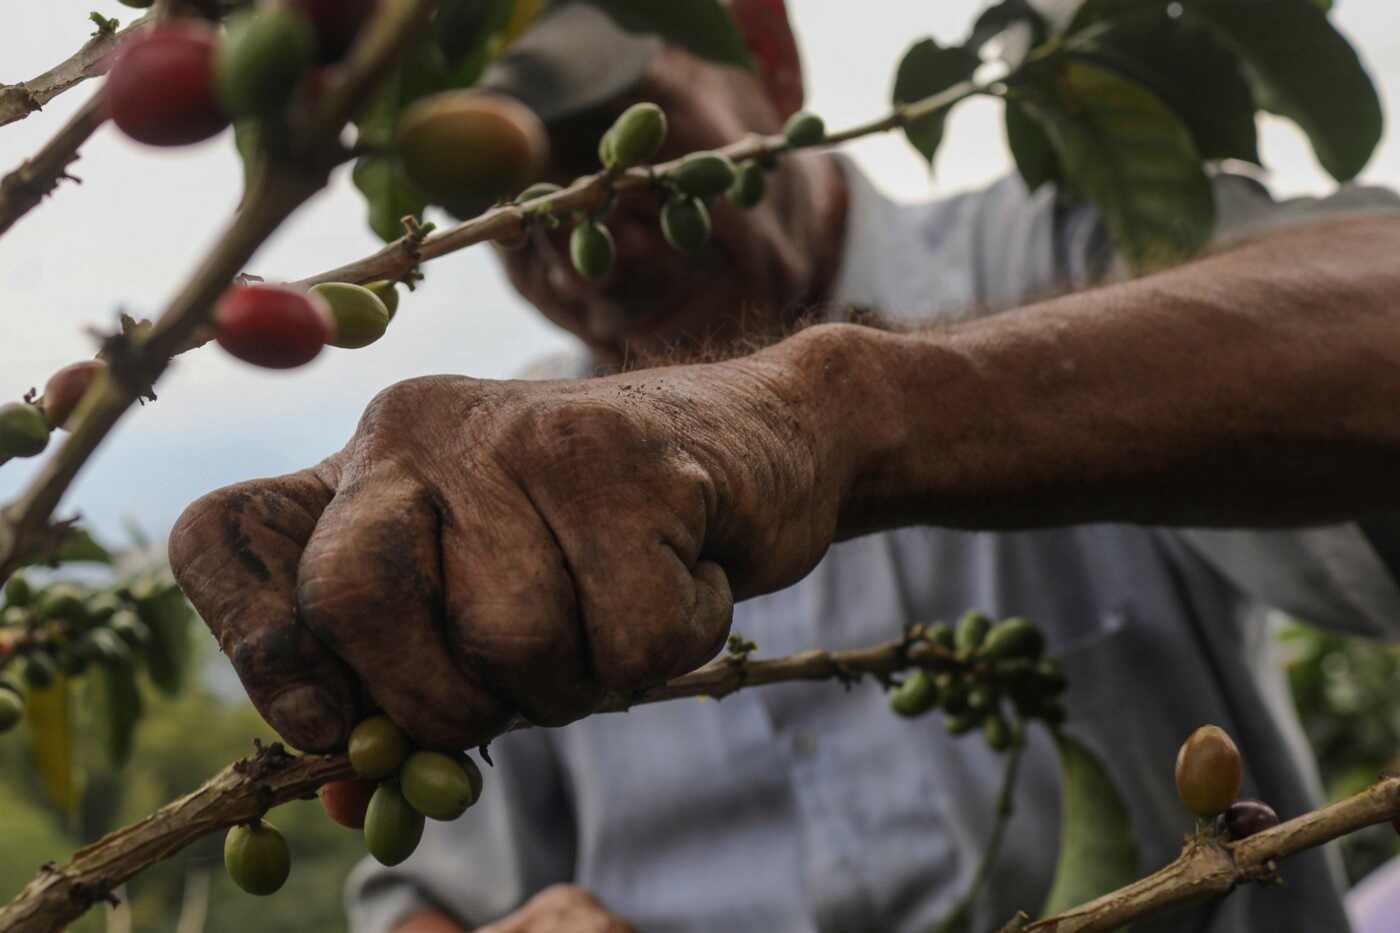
x=280, y=327
x=182, y=81
x=62, y=628
x=983, y=674
x=25, y=426
x=1209, y=774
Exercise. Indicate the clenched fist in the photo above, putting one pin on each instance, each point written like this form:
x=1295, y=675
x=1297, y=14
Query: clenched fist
x=482, y=550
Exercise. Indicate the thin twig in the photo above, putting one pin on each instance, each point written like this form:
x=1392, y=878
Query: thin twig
x=18, y=101
x=24, y=188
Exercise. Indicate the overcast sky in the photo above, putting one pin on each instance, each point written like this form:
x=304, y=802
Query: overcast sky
x=128, y=235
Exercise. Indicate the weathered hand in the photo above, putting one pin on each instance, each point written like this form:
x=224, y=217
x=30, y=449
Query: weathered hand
x=485, y=549
x=563, y=908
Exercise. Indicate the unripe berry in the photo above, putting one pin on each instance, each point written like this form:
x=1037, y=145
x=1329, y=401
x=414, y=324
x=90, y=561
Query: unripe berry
x=337, y=23
x=592, y=250
x=393, y=829
x=346, y=802
x=1244, y=818
x=971, y=632
x=1013, y=638
x=997, y=732
x=360, y=317
x=467, y=149
x=66, y=388
x=686, y=224
x=264, y=53
x=11, y=707
x=64, y=601
x=940, y=635
x=1208, y=771
x=538, y=190
x=386, y=292
x=704, y=175
x=438, y=787
x=750, y=183
x=24, y=431
x=273, y=325
x=916, y=696
x=804, y=129
x=257, y=858
x=377, y=748
x=637, y=136
x=160, y=90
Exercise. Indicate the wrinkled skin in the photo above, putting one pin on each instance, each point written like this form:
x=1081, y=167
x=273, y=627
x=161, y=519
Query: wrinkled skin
x=482, y=551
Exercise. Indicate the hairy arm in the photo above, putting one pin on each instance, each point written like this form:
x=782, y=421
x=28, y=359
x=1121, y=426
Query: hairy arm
x=1256, y=387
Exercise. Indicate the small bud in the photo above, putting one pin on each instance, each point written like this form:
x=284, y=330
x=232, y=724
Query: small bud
x=916, y=696
x=750, y=182
x=686, y=224
x=637, y=136
x=704, y=175
x=592, y=249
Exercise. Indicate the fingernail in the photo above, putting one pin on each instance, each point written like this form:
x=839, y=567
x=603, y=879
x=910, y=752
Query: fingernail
x=306, y=717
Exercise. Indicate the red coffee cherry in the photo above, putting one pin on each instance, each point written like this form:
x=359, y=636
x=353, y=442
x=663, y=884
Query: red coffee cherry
x=337, y=22
x=345, y=802
x=1247, y=817
x=66, y=388
x=160, y=90
x=1208, y=771
x=273, y=325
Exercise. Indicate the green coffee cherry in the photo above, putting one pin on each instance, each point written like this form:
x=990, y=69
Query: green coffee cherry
x=686, y=224
x=257, y=858
x=377, y=748
x=1013, y=638
x=18, y=592
x=438, y=787
x=997, y=733
x=39, y=670
x=392, y=827
x=961, y=723
x=940, y=635
x=101, y=607
x=11, y=707
x=980, y=699
x=1050, y=677
x=637, y=136
x=539, y=189
x=262, y=56
x=953, y=692
x=916, y=696
x=704, y=175
x=605, y=151
x=360, y=317
x=750, y=183
x=24, y=431
x=971, y=632
x=804, y=128
x=592, y=249
x=63, y=601
x=386, y=292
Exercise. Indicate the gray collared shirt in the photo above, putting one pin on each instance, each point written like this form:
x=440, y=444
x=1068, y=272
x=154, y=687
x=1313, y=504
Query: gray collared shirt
x=803, y=807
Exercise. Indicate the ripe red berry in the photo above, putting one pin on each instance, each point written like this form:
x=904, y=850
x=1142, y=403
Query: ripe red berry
x=160, y=90
x=272, y=325
x=345, y=802
x=337, y=22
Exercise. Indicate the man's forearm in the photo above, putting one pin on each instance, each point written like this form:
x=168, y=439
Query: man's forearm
x=1257, y=387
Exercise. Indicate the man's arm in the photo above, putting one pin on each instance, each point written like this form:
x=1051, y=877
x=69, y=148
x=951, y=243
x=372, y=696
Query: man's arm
x=1256, y=387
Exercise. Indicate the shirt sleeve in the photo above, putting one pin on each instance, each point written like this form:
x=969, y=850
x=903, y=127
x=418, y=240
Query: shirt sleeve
x=517, y=840
x=1345, y=577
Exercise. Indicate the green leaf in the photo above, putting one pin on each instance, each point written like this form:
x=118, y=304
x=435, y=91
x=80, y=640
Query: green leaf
x=1097, y=850
x=702, y=26
x=49, y=715
x=115, y=703
x=389, y=195
x=999, y=17
x=1199, y=78
x=1030, y=147
x=1121, y=147
x=167, y=655
x=927, y=69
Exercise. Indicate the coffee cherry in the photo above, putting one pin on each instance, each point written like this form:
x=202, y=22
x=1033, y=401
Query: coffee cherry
x=804, y=129
x=1208, y=771
x=686, y=224
x=392, y=827
x=377, y=748
x=386, y=292
x=916, y=696
x=539, y=189
x=63, y=601
x=997, y=732
x=337, y=23
x=24, y=432
x=1013, y=638
x=346, y=802
x=467, y=149
x=18, y=592
x=1050, y=677
x=704, y=175
x=264, y=53
x=750, y=183
x=360, y=317
x=11, y=707
x=980, y=699
x=953, y=691
x=100, y=607
x=272, y=325
x=66, y=388
x=160, y=90
x=1247, y=817
x=257, y=858
x=39, y=670
x=960, y=723
x=971, y=632
x=940, y=635
x=438, y=787
x=605, y=150
x=592, y=250
x=637, y=136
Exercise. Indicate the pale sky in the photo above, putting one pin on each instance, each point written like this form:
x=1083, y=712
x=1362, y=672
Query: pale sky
x=133, y=230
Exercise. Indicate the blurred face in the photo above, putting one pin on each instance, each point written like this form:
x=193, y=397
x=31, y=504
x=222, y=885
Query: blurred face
x=763, y=268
